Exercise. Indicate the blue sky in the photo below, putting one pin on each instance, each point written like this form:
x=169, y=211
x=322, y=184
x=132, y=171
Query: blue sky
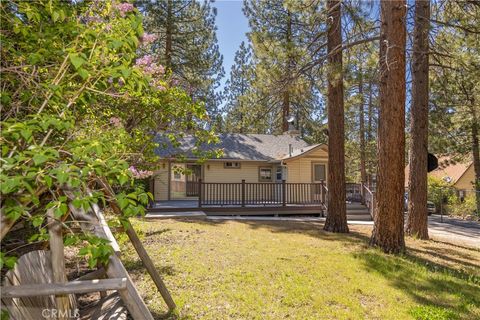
x=232, y=27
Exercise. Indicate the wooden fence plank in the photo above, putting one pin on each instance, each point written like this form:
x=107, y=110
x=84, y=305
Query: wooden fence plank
x=115, y=269
x=58, y=262
x=47, y=289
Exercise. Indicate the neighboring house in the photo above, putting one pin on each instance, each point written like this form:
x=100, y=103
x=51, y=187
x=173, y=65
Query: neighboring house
x=460, y=174
x=255, y=158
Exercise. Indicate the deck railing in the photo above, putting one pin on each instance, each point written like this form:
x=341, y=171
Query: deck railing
x=261, y=193
x=368, y=197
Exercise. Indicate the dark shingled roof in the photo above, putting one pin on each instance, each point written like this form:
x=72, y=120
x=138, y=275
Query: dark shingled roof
x=262, y=147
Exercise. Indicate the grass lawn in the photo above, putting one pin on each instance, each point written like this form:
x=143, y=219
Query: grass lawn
x=278, y=270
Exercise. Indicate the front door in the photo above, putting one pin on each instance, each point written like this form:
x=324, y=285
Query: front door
x=319, y=174
x=194, y=172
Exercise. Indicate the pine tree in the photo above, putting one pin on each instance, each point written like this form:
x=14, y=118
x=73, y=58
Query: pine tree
x=455, y=93
x=337, y=211
x=417, y=219
x=278, y=40
x=237, y=104
x=388, y=231
x=187, y=45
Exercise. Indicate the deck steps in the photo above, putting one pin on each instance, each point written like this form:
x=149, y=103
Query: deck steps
x=176, y=215
x=358, y=211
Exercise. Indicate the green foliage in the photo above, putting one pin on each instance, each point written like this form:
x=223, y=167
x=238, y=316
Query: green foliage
x=285, y=37
x=464, y=208
x=80, y=110
x=7, y=261
x=439, y=191
x=186, y=43
x=433, y=313
x=4, y=315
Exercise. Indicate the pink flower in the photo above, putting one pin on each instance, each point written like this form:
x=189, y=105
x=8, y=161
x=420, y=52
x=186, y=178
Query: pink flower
x=140, y=174
x=148, y=66
x=124, y=8
x=161, y=88
x=116, y=122
x=144, y=61
x=148, y=38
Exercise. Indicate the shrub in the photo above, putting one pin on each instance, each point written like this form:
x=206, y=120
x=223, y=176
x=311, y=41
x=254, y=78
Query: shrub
x=438, y=190
x=465, y=208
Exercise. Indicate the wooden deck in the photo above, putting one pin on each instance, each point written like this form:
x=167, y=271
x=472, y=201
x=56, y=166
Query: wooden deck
x=222, y=210
x=266, y=199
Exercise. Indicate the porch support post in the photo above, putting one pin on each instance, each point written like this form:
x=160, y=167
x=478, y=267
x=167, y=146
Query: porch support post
x=200, y=193
x=362, y=192
x=243, y=192
x=323, y=191
x=169, y=175
x=284, y=193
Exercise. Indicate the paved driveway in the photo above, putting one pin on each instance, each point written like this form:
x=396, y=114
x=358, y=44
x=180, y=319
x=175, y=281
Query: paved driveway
x=454, y=230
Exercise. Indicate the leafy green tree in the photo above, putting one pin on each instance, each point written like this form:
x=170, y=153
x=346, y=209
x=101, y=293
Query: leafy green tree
x=185, y=42
x=80, y=109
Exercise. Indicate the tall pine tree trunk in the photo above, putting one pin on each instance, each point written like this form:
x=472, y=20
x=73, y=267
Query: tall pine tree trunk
x=363, y=166
x=337, y=212
x=285, y=110
x=370, y=129
x=388, y=232
x=476, y=159
x=417, y=220
x=286, y=92
x=168, y=35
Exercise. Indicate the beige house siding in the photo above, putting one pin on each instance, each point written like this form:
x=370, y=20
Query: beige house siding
x=465, y=182
x=214, y=171
x=160, y=188
x=300, y=169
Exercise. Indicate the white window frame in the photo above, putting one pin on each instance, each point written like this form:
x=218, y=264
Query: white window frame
x=235, y=165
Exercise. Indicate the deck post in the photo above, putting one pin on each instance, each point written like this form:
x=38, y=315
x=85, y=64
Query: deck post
x=243, y=192
x=362, y=192
x=200, y=193
x=372, y=206
x=284, y=193
x=322, y=188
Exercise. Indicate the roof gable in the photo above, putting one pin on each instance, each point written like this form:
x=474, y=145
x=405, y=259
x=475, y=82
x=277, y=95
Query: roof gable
x=447, y=167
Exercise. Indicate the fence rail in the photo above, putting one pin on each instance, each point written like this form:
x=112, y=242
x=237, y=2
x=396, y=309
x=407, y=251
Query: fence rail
x=261, y=193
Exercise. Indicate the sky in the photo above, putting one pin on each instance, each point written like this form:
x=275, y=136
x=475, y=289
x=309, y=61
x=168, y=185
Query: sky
x=232, y=28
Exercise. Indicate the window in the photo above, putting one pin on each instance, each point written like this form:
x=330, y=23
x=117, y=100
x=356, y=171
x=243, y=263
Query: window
x=265, y=174
x=177, y=176
x=279, y=175
x=319, y=172
x=231, y=165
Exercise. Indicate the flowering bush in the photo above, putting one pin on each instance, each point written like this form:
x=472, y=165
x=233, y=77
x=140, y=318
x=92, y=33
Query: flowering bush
x=80, y=109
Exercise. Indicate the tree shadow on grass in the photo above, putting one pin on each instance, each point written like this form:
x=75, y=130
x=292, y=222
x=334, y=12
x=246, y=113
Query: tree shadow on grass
x=171, y=316
x=311, y=228
x=442, y=292
x=135, y=266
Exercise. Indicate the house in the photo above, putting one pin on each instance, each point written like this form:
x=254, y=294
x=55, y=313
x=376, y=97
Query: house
x=258, y=159
x=460, y=174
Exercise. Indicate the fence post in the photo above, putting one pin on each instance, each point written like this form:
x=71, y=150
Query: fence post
x=243, y=192
x=284, y=193
x=200, y=193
